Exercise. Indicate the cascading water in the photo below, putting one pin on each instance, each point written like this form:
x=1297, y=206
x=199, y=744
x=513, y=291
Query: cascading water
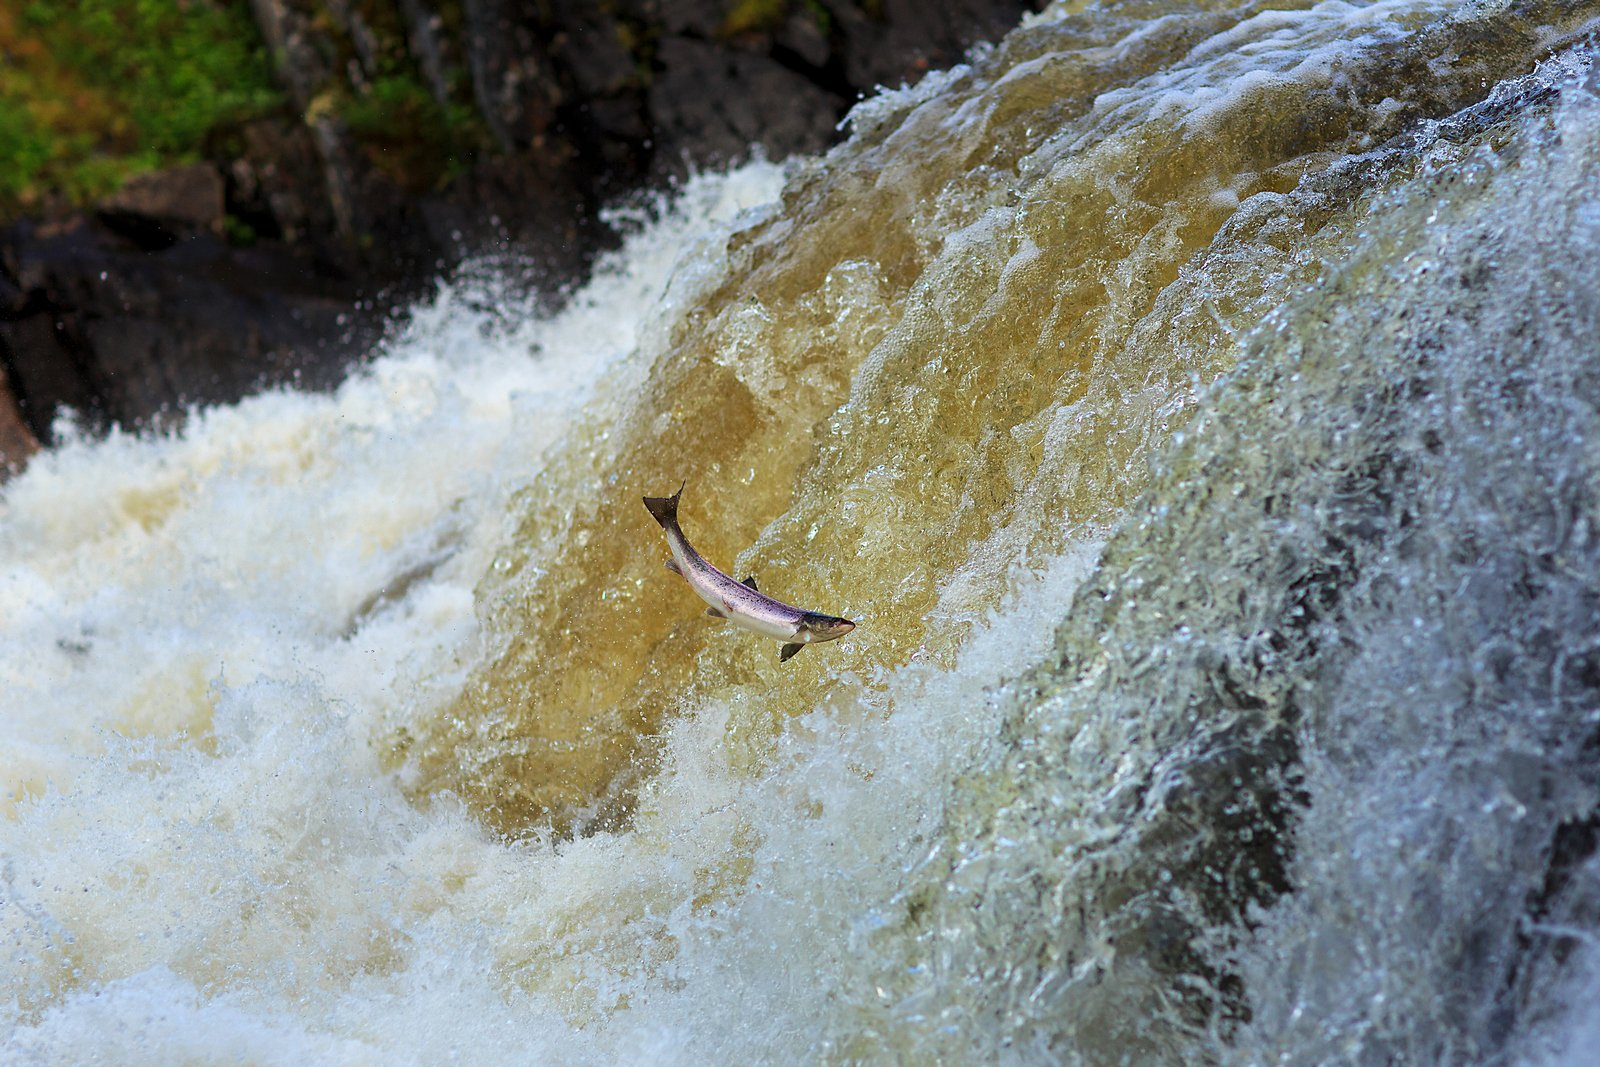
x=1195, y=404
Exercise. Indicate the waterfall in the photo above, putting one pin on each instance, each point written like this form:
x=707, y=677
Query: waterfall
x=1194, y=405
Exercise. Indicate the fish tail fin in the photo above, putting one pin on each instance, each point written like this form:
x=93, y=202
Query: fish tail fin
x=664, y=509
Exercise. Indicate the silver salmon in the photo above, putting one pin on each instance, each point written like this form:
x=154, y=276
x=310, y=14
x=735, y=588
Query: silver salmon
x=741, y=603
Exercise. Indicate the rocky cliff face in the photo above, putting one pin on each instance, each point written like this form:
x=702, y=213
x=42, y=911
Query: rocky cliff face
x=413, y=133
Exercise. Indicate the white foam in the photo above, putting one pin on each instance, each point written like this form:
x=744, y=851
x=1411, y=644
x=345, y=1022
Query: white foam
x=205, y=859
x=1300, y=51
x=203, y=634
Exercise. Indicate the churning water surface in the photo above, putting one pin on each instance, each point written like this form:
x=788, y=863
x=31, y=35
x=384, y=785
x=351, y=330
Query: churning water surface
x=1197, y=405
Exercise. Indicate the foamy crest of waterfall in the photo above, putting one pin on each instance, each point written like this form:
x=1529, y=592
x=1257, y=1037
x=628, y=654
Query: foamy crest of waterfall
x=1195, y=405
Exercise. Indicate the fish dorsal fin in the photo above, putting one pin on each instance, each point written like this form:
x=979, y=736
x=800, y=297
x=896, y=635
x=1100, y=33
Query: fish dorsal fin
x=789, y=650
x=715, y=614
x=672, y=565
x=751, y=582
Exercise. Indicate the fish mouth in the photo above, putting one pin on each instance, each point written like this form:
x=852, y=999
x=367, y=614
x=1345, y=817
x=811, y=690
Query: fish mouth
x=826, y=627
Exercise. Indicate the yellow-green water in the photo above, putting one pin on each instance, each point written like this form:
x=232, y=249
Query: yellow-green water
x=1191, y=403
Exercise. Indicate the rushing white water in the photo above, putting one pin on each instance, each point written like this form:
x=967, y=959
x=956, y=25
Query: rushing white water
x=232, y=614
x=1247, y=701
x=204, y=861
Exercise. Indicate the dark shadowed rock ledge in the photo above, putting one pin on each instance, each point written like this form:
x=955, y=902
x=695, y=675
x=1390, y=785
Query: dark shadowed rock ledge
x=414, y=133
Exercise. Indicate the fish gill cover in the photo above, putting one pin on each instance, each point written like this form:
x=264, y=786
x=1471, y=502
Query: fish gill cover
x=1195, y=404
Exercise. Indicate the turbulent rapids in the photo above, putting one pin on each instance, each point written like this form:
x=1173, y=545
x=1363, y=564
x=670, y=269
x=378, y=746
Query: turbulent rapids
x=1196, y=405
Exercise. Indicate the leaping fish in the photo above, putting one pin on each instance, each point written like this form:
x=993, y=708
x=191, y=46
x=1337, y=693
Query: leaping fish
x=741, y=603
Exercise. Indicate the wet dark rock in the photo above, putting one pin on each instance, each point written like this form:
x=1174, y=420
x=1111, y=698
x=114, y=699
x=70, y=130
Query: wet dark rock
x=591, y=46
x=290, y=35
x=512, y=78
x=422, y=30
x=174, y=203
x=466, y=219
x=700, y=18
x=802, y=36
x=17, y=442
x=130, y=336
x=416, y=133
x=268, y=188
x=710, y=104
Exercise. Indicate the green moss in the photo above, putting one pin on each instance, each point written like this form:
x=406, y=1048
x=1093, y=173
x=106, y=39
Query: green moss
x=238, y=231
x=821, y=16
x=95, y=90
x=391, y=109
x=767, y=16
x=409, y=135
x=753, y=16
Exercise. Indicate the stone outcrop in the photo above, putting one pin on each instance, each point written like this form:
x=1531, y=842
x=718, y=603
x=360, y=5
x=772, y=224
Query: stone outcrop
x=415, y=133
x=17, y=442
x=128, y=324
x=185, y=198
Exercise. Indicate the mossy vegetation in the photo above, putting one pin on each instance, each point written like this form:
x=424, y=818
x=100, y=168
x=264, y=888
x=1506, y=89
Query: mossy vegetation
x=409, y=135
x=95, y=91
x=418, y=134
x=753, y=16
x=766, y=16
x=92, y=91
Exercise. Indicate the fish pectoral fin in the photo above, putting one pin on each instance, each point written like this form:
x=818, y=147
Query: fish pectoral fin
x=789, y=650
x=715, y=614
x=672, y=565
x=751, y=582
